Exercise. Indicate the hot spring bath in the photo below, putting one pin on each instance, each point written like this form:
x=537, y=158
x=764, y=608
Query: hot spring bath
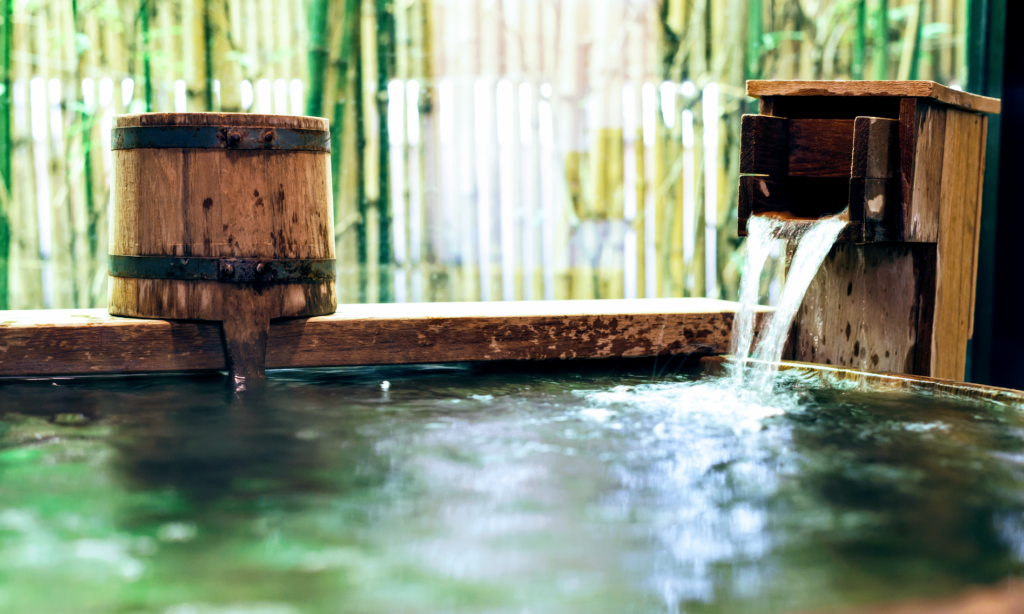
x=609, y=487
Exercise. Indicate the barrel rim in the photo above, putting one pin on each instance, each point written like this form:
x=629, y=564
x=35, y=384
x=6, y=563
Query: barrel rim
x=244, y=120
x=220, y=137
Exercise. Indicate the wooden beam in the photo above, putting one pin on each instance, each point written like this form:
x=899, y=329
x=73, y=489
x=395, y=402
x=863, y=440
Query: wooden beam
x=876, y=144
x=883, y=89
x=764, y=145
x=89, y=341
x=820, y=147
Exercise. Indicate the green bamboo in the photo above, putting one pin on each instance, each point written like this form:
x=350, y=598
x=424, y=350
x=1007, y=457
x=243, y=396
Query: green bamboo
x=208, y=53
x=146, y=75
x=319, y=38
x=860, y=40
x=755, y=32
x=350, y=27
x=881, y=50
x=385, y=62
x=362, y=205
x=915, y=54
x=5, y=151
x=92, y=214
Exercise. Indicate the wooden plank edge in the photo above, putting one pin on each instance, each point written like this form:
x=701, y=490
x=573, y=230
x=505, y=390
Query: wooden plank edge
x=898, y=89
x=77, y=342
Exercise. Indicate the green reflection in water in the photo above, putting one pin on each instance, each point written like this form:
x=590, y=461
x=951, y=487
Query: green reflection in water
x=497, y=489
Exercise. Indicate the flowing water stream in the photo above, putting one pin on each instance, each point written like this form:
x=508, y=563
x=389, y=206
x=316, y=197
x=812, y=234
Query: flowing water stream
x=813, y=242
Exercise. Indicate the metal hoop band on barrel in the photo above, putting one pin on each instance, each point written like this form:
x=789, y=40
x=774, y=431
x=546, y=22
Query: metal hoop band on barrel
x=221, y=137
x=227, y=270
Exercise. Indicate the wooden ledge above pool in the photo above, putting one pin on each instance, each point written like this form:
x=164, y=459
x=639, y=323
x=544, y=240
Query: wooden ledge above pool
x=89, y=341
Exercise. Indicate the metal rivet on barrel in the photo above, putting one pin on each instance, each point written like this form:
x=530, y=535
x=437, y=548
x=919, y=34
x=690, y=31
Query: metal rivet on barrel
x=234, y=137
x=268, y=136
x=259, y=267
x=229, y=269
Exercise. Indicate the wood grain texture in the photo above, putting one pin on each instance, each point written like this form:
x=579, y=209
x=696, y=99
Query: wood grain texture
x=977, y=226
x=876, y=143
x=820, y=147
x=922, y=148
x=248, y=120
x=896, y=89
x=861, y=309
x=764, y=145
x=217, y=203
x=876, y=204
x=93, y=342
x=959, y=201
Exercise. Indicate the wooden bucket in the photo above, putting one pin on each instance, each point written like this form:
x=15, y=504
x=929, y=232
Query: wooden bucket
x=223, y=216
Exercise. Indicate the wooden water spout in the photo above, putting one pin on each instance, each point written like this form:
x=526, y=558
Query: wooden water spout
x=223, y=217
x=904, y=161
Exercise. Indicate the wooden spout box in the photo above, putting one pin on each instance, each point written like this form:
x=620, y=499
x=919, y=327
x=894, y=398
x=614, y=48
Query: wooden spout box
x=904, y=160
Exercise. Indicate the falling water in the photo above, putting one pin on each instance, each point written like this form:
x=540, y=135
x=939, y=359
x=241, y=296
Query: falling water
x=762, y=232
x=813, y=243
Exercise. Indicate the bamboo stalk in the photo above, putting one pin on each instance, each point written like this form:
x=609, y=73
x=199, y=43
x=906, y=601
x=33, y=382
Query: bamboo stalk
x=915, y=55
x=349, y=32
x=362, y=204
x=5, y=152
x=84, y=124
x=860, y=40
x=755, y=31
x=318, y=55
x=881, y=49
x=208, y=43
x=146, y=43
x=385, y=62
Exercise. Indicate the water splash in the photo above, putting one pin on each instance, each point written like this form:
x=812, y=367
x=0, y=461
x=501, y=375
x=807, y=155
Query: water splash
x=814, y=240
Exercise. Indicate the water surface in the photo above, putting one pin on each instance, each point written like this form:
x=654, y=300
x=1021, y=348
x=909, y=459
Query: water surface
x=610, y=488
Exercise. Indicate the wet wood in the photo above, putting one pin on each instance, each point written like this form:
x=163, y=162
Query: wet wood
x=764, y=145
x=876, y=143
x=861, y=309
x=922, y=140
x=820, y=147
x=62, y=342
x=884, y=89
x=223, y=203
x=877, y=203
x=983, y=149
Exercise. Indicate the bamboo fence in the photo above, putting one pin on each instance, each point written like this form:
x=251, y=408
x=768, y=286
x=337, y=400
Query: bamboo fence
x=482, y=149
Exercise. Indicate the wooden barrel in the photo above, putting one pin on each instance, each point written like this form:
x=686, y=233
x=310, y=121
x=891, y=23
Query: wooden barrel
x=222, y=216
